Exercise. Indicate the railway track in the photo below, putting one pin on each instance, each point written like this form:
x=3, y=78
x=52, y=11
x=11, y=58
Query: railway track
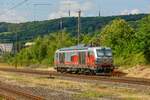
x=13, y=90
x=128, y=80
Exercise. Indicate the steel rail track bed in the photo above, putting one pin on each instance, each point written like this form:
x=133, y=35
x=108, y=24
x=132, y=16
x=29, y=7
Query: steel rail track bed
x=11, y=89
x=129, y=80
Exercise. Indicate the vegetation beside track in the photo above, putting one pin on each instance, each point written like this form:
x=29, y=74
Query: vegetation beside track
x=1, y=98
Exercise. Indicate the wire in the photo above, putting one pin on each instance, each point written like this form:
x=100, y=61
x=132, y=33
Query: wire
x=19, y=4
x=14, y=7
x=42, y=4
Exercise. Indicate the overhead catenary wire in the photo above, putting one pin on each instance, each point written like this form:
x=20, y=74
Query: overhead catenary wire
x=14, y=7
x=42, y=4
x=19, y=4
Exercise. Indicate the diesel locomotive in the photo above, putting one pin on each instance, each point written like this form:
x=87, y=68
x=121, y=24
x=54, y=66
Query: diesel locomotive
x=84, y=59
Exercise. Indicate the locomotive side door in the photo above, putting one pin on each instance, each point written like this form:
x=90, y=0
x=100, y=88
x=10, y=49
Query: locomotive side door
x=82, y=58
x=91, y=58
x=62, y=58
x=74, y=58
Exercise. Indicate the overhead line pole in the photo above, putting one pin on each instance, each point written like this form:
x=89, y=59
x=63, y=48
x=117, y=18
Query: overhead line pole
x=100, y=10
x=69, y=11
x=79, y=25
x=61, y=28
x=99, y=13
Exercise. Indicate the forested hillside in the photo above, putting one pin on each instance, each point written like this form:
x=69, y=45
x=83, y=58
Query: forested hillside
x=10, y=32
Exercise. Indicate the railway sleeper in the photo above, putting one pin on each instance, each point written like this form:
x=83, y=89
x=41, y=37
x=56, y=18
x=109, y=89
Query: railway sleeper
x=85, y=71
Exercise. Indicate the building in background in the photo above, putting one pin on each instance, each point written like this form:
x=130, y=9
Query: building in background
x=29, y=44
x=6, y=48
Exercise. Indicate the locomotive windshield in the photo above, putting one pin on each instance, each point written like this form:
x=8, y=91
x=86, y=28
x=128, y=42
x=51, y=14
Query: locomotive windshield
x=100, y=53
x=108, y=53
x=104, y=52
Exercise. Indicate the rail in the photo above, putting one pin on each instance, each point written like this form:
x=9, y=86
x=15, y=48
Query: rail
x=129, y=80
x=11, y=89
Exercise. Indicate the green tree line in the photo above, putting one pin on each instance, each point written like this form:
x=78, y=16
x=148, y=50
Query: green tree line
x=31, y=30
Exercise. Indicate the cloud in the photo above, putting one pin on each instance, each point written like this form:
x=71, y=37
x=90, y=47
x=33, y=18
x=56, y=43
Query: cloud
x=11, y=16
x=128, y=12
x=135, y=11
x=72, y=5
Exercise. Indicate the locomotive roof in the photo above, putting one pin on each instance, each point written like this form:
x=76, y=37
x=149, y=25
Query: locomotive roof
x=79, y=47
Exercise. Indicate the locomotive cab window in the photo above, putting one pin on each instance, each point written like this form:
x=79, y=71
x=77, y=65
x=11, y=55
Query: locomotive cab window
x=104, y=52
x=108, y=53
x=100, y=52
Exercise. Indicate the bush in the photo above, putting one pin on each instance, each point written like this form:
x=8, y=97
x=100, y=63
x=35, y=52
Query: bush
x=42, y=52
x=143, y=36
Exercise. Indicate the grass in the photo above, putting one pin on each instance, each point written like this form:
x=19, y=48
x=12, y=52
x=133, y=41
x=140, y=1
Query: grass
x=2, y=98
x=130, y=61
x=91, y=94
x=5, y=65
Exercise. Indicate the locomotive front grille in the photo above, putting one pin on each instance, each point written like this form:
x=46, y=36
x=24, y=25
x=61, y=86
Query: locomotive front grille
x=104, y=61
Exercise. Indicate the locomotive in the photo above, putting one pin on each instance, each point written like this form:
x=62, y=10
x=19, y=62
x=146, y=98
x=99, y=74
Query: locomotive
x=84, y=59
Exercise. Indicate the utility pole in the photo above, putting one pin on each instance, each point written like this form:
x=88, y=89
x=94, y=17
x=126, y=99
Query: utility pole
x=68, y=4
x=61, y=28
x=79, y=25
x=17, y=38
x=16, y=47
x=61, y=23
x=69, y=12
x=100, y=10
x=99, y=13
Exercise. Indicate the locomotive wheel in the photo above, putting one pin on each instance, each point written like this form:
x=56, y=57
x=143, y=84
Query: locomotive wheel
x=92, y=72
x=61, y=70
x=77, y=71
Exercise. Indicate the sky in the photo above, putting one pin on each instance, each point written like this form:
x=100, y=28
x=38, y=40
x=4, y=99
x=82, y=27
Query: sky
x=20, y=11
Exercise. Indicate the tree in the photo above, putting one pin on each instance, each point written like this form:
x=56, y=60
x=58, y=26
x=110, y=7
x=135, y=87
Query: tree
x=121, y=37
x=42, y=52
x=117, y=33
x=143, y=36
